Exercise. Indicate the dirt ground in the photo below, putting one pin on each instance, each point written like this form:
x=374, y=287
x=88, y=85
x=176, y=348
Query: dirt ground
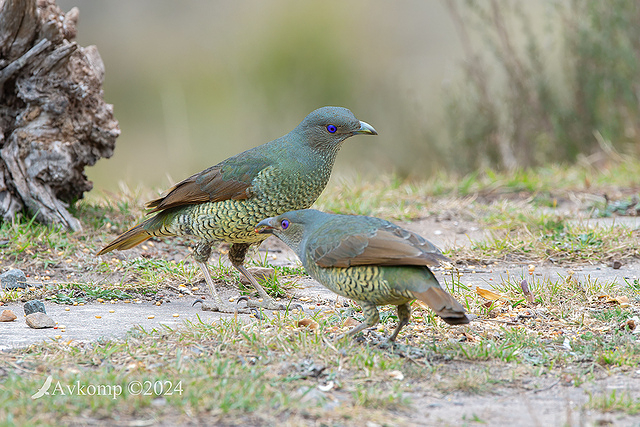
x=538, y=401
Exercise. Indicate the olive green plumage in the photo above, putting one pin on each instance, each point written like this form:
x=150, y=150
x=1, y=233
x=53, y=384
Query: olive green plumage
x=369, y=260
x=226, y=201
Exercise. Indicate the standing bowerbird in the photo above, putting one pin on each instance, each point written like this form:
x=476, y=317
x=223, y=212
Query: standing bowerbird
x=225, y=202
x=369, y=260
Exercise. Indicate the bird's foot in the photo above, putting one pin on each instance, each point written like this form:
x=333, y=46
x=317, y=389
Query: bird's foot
x=221, y=307
x=267, y=304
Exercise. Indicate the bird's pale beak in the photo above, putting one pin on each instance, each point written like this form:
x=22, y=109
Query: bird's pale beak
x=264, y=226
x=366, y=129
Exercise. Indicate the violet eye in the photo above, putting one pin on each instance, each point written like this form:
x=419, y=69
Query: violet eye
x=284, y=224
x=332, y=128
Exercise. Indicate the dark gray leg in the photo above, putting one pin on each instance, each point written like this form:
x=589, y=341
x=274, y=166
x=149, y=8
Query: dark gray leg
x=371, y=318
x=201, y=254
x=237, y=253
x=404, y=315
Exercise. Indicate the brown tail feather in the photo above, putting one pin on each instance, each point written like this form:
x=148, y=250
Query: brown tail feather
x=130, y=238
x=444, y=305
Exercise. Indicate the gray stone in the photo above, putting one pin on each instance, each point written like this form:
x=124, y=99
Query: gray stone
x=39, y=320
x=13, y=279
x=34, y=306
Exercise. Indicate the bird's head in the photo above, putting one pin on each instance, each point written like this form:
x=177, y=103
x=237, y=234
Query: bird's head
x=327, y=127
x=290, y=227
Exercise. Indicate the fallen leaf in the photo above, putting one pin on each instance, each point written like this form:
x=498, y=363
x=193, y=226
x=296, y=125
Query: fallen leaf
x=489, y=295
x=311, y=324
x=629, y=325
x=623, y=301
x=469, y=337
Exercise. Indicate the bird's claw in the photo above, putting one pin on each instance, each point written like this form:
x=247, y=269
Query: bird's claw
x=257, y=313
x=269, y=304
x=297, y=306
x=221, y=307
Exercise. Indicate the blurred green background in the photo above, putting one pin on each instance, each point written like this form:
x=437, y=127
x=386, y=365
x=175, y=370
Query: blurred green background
x=454, y=86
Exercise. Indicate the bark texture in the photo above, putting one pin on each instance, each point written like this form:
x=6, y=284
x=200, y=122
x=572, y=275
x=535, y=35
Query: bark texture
x=53, y=119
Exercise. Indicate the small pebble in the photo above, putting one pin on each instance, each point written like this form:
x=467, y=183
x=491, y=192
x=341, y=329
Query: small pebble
x=13, y=279
x=39, y=320
x=34, y=306
x=7, y=316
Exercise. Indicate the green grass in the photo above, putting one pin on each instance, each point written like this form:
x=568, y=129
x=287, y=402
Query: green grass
x=614, y=401
x=405, y=199
x=273, y=371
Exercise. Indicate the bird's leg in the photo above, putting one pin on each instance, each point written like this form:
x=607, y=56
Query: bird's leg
x=371, y=318
x=237, y=253
x=404, y=315
x=201, y=254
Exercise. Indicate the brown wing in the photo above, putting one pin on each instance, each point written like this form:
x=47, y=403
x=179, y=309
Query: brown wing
x=231, y=179
x=389, y=245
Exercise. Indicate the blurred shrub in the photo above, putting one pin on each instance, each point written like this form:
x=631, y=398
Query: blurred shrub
x=561, y=95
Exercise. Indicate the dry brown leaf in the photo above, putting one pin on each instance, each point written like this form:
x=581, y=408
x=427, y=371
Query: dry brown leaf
x=469, y=337
x=623, y=301
x=311, y=324
x=489, y=295
x=630, y=325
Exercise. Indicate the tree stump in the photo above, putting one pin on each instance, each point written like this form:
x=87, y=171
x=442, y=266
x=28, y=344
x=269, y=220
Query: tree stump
x=53, y=119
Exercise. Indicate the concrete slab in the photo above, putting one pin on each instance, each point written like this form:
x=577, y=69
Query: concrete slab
x=81, y=324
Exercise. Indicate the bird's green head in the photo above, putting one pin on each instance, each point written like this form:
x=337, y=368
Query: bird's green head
x=292, y=227
x=327, y=127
